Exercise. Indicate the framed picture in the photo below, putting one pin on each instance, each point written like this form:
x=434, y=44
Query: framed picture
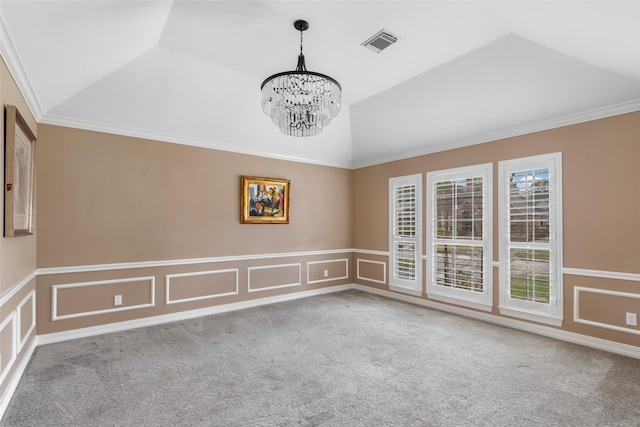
x=264, y=200
x=19, y=158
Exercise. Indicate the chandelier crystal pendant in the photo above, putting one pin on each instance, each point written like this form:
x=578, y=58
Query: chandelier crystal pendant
x=301, y=102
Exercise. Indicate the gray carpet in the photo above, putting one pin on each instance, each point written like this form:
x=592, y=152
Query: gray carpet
x=345, y=359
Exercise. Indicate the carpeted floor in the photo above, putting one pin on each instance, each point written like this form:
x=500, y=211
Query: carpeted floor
x=344, y=359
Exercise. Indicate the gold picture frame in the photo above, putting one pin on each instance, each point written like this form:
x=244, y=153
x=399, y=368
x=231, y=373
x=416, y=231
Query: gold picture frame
x=264, y=200
x=19, y=162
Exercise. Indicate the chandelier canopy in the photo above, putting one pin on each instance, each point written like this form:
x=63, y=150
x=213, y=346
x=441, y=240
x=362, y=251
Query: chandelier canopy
x=301, y=102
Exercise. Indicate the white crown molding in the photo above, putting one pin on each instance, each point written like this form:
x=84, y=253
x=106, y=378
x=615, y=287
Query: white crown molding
x=571, y=119
x=14, y=64
x=51, y=119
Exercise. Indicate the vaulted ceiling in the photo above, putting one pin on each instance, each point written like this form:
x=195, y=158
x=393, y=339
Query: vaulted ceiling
x=189, y=72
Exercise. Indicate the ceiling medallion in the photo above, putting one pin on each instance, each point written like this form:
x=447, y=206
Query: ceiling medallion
x=301, y=102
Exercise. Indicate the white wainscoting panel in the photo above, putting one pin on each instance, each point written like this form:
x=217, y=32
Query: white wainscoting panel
x=168, y=278
x=267, y=267
x=576, y=308
x=54, y=297
x=23, y=338
x=9, y=321
x=329, y=261
x=369, y=279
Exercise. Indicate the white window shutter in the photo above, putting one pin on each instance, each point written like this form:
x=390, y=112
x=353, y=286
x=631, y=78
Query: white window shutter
x=405, y=231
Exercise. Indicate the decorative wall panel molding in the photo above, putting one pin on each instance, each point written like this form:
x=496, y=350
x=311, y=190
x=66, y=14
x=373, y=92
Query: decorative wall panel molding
x=169, y=277
x=383, y=280
x=329, y=278
x=32, y=317
x=56, y=288
x=253, y=271
x=5, y=365
x=577, y=290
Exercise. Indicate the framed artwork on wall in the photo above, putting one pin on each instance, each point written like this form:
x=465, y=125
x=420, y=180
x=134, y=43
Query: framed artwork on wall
x=264, y=200
x=19, y=157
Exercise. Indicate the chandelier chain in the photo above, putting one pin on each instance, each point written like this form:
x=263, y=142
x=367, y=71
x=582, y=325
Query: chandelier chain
x=300, y=42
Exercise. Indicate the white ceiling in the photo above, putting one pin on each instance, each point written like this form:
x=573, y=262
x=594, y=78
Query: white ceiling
x=190, y=71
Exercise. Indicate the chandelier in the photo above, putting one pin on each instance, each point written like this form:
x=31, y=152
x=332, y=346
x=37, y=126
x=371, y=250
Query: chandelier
x=301, y=102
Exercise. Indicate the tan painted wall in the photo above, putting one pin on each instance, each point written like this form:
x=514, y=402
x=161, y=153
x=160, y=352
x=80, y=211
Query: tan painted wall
x=108, y=199
x=601, y=201
x=17, y=260
x=111, y=199
x=17, y=255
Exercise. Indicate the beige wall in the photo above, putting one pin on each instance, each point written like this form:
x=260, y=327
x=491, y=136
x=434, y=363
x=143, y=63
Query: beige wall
x=106, y=199
x=17, y=262
x=17, y=255
x=601, y=201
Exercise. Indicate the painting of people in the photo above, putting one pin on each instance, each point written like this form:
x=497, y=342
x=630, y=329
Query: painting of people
x=264, y=200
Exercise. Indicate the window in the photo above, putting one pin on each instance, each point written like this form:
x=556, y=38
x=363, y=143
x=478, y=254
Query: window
x=459, y=236
x=405, y=231
x=530, y=238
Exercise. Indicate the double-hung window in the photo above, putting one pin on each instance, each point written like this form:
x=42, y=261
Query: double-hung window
x=459, y=236
x=530, y=238
x=405, y=234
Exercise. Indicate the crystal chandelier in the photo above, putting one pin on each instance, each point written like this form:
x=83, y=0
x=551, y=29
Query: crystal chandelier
x=301, y=102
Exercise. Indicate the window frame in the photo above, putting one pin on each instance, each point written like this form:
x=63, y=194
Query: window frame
x=412, y=287
x=552, y=313
x=477, y=300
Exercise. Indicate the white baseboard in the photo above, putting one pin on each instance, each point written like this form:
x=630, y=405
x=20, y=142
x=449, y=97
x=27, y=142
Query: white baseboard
x=559, y=334
x=17, y=375
x=183, y=315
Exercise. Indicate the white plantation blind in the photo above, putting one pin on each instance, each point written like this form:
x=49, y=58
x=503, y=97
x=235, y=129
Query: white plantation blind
x=529, y=247
x=458, y=236
x=405, y=231
x=404, y=245
x=530, y=232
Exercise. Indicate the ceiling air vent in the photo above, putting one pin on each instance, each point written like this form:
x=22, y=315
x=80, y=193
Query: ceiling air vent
x=380, y=41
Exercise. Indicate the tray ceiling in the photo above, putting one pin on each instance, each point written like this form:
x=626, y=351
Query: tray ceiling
x=189, y=72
